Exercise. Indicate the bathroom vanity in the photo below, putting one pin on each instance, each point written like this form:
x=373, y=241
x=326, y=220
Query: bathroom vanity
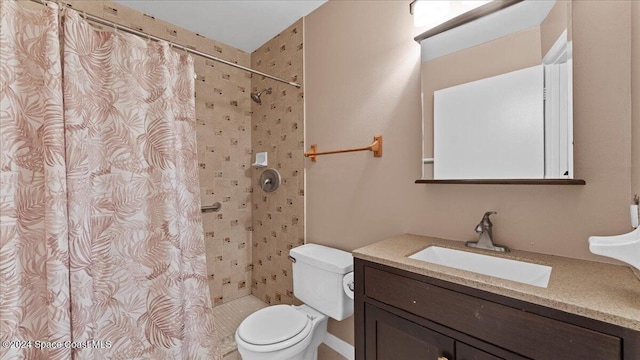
x=411, y=309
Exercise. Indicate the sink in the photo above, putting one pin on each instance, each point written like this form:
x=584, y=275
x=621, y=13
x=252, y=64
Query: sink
x=514, y=270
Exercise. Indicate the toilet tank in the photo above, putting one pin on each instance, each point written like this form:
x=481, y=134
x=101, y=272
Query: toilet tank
x=317, y=279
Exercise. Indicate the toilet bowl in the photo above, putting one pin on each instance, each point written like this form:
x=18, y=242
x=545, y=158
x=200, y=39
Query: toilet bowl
x=285, y=332
x=281, y=332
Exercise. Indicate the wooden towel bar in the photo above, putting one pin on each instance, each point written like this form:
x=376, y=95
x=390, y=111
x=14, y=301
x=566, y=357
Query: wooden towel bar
x=376, y=147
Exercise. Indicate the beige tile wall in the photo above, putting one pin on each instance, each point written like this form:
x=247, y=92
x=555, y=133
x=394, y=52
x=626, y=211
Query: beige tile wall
x=223, y=113
x=277, y=128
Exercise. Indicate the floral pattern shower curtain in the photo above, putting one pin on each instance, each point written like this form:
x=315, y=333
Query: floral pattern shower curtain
x=102, y=241
x=34, y=256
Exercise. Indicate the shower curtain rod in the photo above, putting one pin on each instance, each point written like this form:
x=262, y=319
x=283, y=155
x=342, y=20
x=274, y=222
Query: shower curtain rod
x=175, y=45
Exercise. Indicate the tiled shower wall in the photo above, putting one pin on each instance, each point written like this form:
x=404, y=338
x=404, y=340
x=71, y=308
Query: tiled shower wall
x=277, y=128
x=223, y=113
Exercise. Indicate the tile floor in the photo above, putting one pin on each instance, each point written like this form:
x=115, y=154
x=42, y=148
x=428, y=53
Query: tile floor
x=228, y=317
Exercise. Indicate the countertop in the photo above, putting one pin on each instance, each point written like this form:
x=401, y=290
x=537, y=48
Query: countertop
x=605, y=292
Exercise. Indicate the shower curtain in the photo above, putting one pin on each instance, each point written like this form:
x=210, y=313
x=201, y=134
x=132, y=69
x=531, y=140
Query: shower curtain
x=101, y=244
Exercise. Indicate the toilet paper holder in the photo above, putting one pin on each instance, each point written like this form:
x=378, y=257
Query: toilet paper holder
x=351, y=285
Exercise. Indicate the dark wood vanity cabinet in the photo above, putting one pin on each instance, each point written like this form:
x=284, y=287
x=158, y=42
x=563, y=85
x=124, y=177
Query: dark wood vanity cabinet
x=391, y=337
x=403, y=316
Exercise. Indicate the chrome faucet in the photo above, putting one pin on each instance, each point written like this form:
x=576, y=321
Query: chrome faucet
x=485, y=241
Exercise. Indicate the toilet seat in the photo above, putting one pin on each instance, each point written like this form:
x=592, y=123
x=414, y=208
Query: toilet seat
x=274, y=328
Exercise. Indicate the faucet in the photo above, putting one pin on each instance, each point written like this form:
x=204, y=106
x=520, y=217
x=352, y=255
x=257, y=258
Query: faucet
x=485, y=241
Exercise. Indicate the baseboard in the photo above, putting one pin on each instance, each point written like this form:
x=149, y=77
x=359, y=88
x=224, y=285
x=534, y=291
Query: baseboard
x=340, y=346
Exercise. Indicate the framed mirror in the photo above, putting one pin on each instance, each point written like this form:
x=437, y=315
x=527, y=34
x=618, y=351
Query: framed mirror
x=497, y=95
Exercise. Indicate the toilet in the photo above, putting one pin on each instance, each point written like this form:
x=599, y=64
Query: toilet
x=322, y=280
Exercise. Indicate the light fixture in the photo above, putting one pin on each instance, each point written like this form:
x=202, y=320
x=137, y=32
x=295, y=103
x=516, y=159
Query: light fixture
x=431, y=13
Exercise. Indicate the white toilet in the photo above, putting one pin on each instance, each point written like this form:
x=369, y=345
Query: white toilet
x=285, y=332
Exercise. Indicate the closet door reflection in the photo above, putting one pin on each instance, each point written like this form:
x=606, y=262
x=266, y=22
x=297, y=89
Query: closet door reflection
x=497, y=95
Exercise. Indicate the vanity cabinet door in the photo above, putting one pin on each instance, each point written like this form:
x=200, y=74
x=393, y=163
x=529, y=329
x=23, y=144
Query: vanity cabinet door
x=466, y=352
x=390, y=337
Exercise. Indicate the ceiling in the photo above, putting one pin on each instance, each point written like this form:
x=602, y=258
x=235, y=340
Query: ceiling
x=244, y=24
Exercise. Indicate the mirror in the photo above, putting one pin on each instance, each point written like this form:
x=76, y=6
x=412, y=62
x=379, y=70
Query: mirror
x=497, y=93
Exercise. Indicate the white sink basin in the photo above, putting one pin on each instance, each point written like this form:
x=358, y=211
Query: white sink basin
x=520, y=271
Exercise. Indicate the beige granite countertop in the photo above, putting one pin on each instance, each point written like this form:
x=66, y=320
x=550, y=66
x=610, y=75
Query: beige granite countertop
x=605, y=292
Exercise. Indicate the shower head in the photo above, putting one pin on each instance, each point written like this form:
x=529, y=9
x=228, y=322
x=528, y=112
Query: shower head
x=255, y=96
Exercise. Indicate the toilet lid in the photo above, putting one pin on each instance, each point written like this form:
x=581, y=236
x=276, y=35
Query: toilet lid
x=272, y=325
